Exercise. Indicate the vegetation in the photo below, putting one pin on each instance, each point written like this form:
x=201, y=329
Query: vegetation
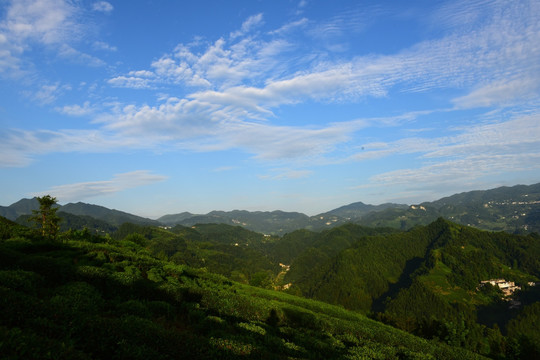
x=209, y=290
x=97, y=297
x=426, y=281
x=46, y=217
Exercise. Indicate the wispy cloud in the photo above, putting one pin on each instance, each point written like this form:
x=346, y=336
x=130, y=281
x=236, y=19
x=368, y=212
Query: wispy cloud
x=47, y=94
x=100, y=45
x=251, y=22
x=21, y=147
x=29, y=25
x=85, y=190
x=43, y=21
x=471, y=156
x=76, y=110
x=142, y=79
x=501, y=93
x=102, y=6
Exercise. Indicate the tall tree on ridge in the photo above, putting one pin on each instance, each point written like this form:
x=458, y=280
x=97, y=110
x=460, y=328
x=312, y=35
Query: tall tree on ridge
x=46, y=217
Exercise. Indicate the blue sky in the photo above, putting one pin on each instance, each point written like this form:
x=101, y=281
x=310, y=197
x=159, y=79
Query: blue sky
x=159, y=107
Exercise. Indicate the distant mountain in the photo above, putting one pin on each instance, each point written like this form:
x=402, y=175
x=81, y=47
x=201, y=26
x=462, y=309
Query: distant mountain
x=175, y=219
x=358, y=209
x=80, y=222
x=275, y=222
x=21, y=207
x=513, y=209
x=278, y=222
x=113, y=217
x=24, y=207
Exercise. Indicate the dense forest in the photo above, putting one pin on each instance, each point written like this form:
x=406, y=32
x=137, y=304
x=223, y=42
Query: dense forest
x=221, y=291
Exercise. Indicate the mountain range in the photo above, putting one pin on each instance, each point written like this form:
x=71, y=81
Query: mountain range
x=513, y=209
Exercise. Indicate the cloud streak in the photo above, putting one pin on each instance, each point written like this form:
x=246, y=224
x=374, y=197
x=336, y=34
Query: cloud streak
x=473, y=156
x=85, y=190
x=28, y=26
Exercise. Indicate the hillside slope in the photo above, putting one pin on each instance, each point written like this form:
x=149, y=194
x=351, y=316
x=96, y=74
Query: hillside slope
x=426, y=281
x=102, y=299
x=513, y=209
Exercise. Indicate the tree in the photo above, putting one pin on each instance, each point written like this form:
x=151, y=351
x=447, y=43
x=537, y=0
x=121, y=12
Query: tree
x=46, y=217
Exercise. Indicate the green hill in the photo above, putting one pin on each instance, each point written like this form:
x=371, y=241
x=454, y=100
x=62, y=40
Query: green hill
x=427, y=281
x=513, y=209
x=21, y=207
x=100, y=298
x=267, y=222
x=113, y=217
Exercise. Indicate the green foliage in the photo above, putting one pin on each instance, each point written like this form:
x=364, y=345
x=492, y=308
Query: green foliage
x=261, y=279
x=99, y=300
x=46, y=218
x=524, y=329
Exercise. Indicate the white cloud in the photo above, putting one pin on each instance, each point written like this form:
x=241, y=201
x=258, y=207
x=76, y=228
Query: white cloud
x=454, y=174
x=76, y=110
x=285, y=142
x=20, y=147
x=44, y=21
x=120, y=182
x=102, y=6
x=516, y=135
x=28, y=26
x=289, y=27
x=501, y=92
x=248, y=25
x=224, y=168
x=77, y=56
x=100, y=45
x=475, y=154
x=48, y=93
x=132, y=82
x=242, y=88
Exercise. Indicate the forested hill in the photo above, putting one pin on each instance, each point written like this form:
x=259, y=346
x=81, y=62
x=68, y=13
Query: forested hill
x=427, y=281
x=513, y=209
x=84, y=296
x=24, y=207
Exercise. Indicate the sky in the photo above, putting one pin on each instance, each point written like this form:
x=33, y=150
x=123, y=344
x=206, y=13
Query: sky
x=159, y=107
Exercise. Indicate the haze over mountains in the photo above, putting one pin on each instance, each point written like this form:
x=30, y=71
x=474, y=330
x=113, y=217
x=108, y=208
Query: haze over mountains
x=513, y=209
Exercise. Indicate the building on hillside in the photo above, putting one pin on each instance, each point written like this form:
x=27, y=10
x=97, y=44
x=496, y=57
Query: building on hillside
x=507, y=287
